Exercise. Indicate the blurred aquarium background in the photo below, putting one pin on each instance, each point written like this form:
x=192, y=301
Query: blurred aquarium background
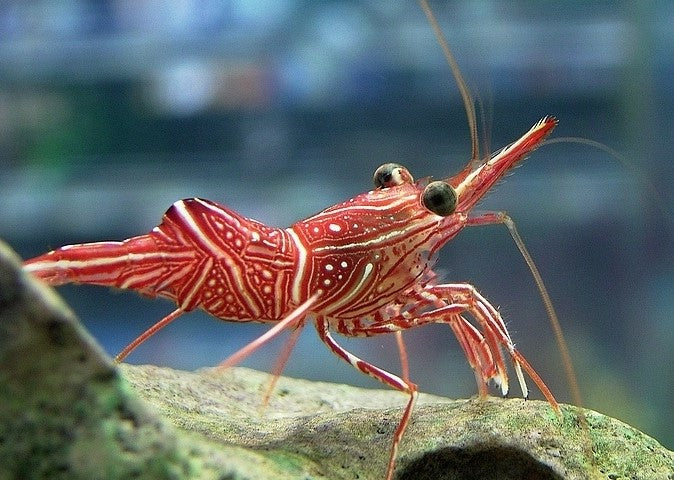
x=112, y=110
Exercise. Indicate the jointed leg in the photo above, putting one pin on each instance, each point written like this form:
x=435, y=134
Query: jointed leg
x=447, y=303
x=379, y=374
x=494, y=332
x=405, y=315
x=477, y=351
x=281, y=362
x=294, y=319
x=147, y=334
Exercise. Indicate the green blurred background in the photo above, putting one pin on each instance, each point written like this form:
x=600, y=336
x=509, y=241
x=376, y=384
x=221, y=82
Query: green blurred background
x=110, y=111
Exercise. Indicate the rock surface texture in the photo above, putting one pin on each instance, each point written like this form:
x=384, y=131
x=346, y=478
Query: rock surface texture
x=67, y=412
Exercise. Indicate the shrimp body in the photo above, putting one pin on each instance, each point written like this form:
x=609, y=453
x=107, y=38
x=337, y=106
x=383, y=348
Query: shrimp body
x=363, y=267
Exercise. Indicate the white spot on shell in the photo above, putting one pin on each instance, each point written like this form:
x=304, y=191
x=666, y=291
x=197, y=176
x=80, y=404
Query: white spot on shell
x=329, y=267
x=327, y=282
x=344, y=264
x=335, y=227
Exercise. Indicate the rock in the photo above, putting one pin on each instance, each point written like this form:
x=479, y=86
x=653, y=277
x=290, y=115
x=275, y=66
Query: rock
x=66, y=411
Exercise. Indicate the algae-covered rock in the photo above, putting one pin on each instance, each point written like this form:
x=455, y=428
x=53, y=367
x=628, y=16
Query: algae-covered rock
x=66, y=411
x=347, y=431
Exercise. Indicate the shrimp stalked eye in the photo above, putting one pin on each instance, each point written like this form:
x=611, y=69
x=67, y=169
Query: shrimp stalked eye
x=440, y=198
x=390, y=175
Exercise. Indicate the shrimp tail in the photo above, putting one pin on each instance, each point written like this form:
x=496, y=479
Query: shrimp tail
x=148, y=264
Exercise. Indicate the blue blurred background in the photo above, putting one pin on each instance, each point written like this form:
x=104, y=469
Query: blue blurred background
x=110, y=111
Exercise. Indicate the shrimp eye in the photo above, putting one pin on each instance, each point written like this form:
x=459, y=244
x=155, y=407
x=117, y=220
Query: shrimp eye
x=440, y=198
x=390, y=175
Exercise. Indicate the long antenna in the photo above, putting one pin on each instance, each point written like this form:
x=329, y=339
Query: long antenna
x=468, y=103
